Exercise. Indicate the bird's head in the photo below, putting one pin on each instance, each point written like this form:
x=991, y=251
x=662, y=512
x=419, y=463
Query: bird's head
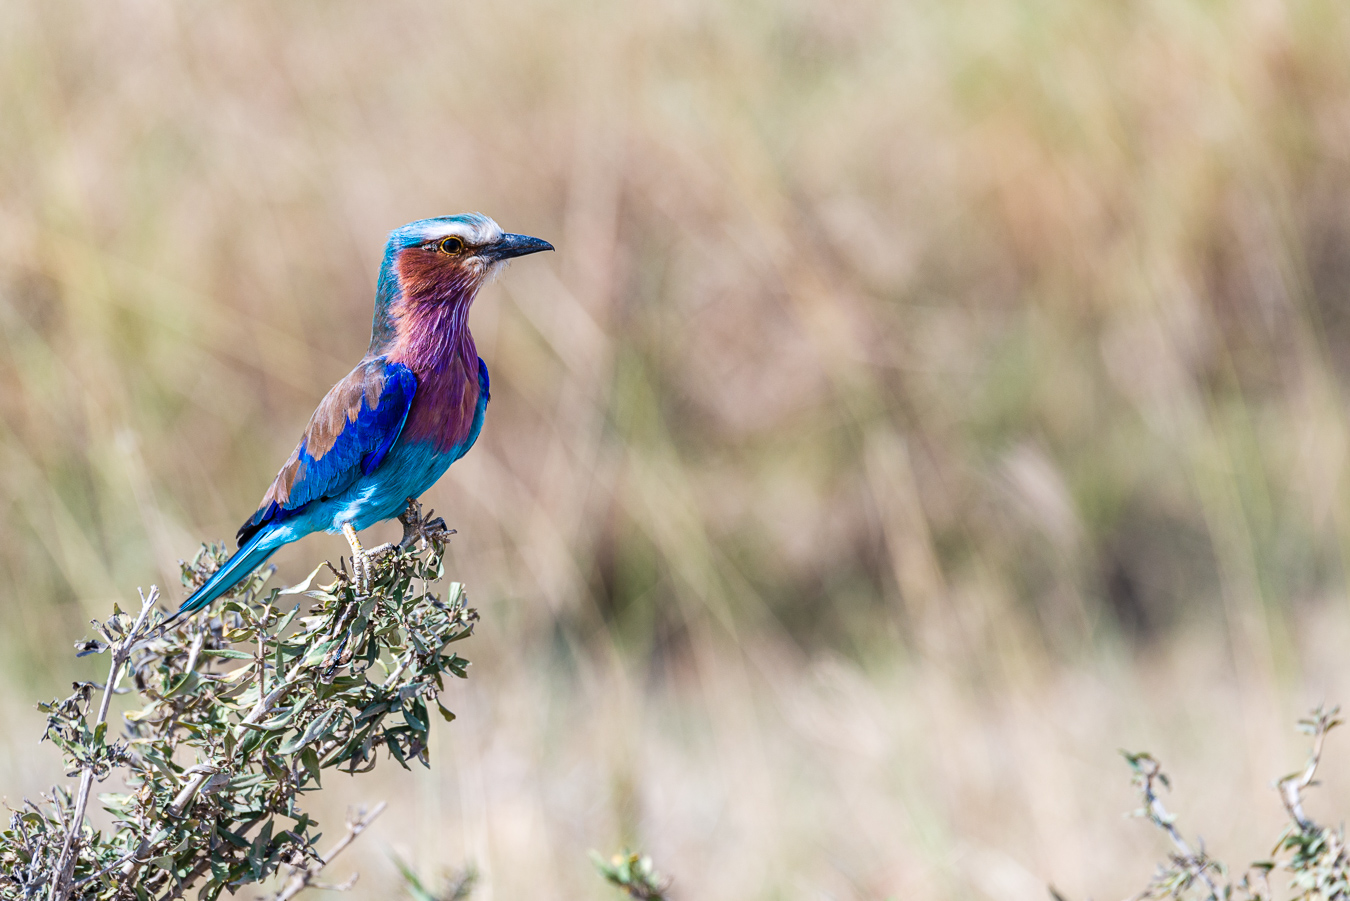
x=435, y=263
x=463, y=251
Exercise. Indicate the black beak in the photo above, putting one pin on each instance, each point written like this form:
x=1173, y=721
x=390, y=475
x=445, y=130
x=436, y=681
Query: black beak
x=515, y=246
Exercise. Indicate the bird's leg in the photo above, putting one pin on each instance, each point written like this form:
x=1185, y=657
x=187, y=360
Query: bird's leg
x=411, y=519
x=360, y=564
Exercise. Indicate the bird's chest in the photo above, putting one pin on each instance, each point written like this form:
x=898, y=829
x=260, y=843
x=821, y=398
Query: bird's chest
x=445, y=410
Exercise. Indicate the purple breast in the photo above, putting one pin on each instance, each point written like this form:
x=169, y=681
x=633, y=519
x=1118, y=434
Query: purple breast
x=444, y=406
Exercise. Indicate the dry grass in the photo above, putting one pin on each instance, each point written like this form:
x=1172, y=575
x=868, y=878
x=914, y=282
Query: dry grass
x=925, y=400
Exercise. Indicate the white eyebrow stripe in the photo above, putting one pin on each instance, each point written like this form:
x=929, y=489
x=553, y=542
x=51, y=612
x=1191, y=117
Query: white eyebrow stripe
x=478, y=230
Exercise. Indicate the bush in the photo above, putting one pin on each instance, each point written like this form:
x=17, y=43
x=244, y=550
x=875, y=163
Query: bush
x=236, y=714
x=1312, y=857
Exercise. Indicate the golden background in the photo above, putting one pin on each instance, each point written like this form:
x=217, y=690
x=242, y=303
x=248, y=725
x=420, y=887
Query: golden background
x=925, y=400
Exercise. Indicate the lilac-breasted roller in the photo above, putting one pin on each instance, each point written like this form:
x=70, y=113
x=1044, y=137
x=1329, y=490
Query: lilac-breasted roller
x=413, y=405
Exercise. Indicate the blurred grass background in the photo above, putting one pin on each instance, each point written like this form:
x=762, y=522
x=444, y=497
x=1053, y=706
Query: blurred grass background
x=926, y=399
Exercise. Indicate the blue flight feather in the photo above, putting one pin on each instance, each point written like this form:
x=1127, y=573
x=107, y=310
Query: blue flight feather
x=252, y=555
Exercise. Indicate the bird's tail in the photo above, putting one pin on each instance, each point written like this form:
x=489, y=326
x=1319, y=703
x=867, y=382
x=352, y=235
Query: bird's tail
x=244, y=561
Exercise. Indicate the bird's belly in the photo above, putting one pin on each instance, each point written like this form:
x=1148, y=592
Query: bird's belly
x=407, y=471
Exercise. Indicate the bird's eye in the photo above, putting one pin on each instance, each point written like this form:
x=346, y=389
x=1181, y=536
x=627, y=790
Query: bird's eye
x=452, y=245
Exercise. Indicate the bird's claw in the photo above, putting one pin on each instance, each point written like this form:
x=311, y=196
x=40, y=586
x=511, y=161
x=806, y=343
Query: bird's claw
x=417, y=530
x=373, y=557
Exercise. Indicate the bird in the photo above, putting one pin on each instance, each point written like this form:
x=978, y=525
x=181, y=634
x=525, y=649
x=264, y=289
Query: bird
x=392, y=426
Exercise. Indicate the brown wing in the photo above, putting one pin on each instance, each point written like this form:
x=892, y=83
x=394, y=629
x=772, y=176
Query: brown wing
x=353, y=428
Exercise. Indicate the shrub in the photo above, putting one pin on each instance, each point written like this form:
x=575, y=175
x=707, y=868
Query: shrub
x=236, y=714
x=1312, y=858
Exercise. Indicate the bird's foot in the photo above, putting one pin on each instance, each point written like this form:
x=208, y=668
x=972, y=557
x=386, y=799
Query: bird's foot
x=378, y=554
x=419, y=530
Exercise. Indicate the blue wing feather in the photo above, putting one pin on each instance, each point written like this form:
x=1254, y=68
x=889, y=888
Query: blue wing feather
x=349, y=435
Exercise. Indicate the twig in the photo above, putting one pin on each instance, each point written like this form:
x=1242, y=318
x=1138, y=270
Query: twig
x=1147, y=771
x=121, y=651
x=304, y=877
x=1291, y=786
